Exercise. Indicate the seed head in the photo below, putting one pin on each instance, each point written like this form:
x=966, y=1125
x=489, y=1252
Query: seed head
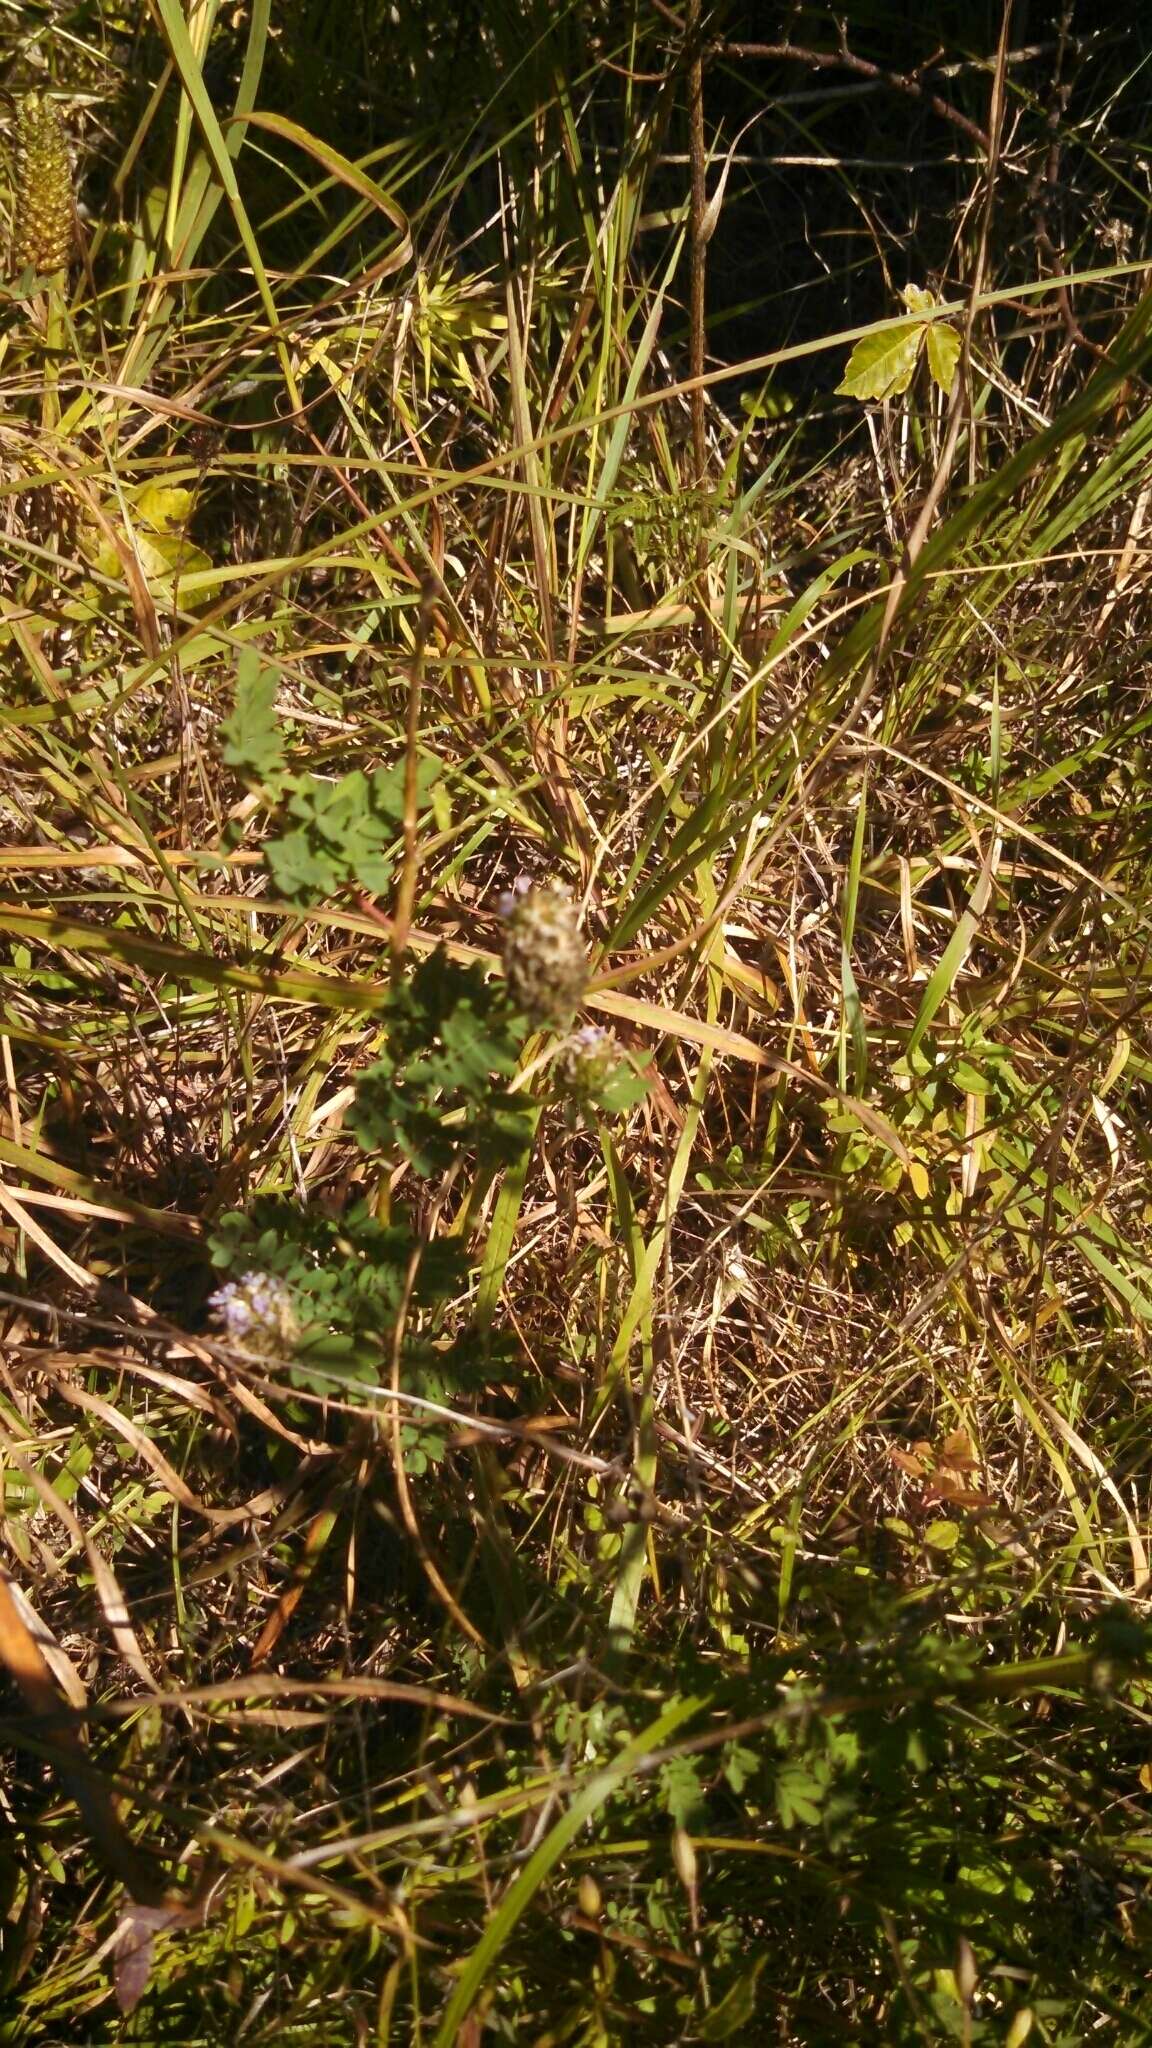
x=544, y=956
x=256, y=1312
x=42, y=189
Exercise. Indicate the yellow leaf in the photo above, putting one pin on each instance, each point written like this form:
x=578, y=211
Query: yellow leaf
x=918, y=1176
x=157, y=515
x=161, y=508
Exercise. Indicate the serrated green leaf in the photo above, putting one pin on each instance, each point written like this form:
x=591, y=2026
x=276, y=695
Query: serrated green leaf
x=882, y=365
x=943, y=353
x=799, y=1796
x=917, y=300
x=681, y=1793
x=253, y=742
x=300, y=871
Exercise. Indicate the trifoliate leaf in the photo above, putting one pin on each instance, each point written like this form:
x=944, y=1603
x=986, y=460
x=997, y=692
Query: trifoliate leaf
x=882, y=365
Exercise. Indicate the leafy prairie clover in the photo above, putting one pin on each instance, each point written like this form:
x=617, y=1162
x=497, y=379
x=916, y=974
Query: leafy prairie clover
x=256, y=1312
x=544, y=957
x=589, y=1060
x=42, y=218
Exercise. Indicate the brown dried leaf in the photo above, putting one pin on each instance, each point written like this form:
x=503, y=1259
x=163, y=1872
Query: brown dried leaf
x=136, y=1947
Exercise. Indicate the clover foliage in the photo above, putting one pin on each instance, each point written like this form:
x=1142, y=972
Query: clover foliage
x=348, y=1277
x=450, y=1042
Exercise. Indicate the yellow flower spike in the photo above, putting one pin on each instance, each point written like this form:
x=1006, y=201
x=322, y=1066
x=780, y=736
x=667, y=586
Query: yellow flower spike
x=42, y=227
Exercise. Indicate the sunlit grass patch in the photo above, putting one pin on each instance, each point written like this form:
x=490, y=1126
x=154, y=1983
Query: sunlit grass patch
x=575, y=1364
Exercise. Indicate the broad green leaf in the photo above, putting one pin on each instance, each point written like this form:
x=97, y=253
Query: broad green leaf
x=172, y=555
x=971, y=1079
x=157, y=517
x=736, y=2008
x=882, y=365
x=943, y=353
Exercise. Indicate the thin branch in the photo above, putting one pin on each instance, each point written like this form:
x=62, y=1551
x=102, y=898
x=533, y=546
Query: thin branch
x=845, y=60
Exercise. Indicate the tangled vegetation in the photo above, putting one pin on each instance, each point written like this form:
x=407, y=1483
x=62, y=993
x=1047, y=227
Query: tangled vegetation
x=574, y=958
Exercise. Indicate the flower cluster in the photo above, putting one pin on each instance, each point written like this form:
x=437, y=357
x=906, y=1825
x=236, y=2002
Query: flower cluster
x=258, y=1313
x=544, y=957
x=588, y=1062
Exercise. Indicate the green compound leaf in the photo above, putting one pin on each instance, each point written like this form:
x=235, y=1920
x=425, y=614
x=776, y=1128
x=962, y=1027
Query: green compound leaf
x=681, y=1791
x=301, y=871
x=800, y=1791
x=450, y=1042
x=347, y=1278
x=342, y=832
x=333, y=833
